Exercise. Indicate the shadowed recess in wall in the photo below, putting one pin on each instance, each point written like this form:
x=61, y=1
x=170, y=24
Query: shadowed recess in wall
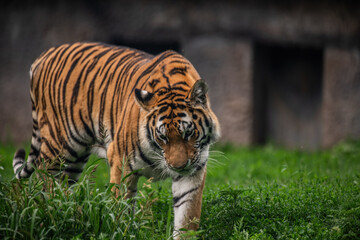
x=288, y=93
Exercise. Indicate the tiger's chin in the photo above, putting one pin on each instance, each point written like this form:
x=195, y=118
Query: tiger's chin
x=182, y=172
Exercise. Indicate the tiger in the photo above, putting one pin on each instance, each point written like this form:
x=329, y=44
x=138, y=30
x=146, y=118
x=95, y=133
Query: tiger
x=118, y=102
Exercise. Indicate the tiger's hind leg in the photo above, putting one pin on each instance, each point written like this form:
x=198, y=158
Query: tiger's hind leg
x=59, y=164
x=74, y=169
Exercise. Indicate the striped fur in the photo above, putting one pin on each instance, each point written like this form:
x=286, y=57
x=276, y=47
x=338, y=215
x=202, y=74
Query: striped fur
x=122, y=103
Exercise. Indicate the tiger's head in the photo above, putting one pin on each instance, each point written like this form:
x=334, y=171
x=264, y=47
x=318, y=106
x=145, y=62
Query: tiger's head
x=179, y=125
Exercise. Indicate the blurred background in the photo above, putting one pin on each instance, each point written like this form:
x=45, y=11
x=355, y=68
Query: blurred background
x=280, y=71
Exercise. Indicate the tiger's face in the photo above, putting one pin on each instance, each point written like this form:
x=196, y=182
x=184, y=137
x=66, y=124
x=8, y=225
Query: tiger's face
x=179, y=125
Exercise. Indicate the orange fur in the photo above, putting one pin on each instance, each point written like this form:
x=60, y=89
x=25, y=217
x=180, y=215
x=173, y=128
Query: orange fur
x=141, y=112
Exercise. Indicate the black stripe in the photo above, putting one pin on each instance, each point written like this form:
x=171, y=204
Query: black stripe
x=150, y=136
x=178, y=205
x=179, y=61
x=176, y=199
x=124, y=93
x=49, y=71
x=143, y=157
x=63, y=87
x=20, y=154
x=180, y=83
x=125, y=140
x=86, y=57
x=162, y=90
x=101, y=54
x=118, y=87
x=34, y=151
x=199, y=167
x=71, y=151
x=181, y=114
x=179, y=89
x=114, y=56
x=182, y=99
x=143, y=74
x=20, y=162
x=166, y=117
x=82, y=50
x=28, y=171
x=178, y=178
x=54, y=76
x=154, y=82
x=167, y=79
x=133, y=141
x=207, y=123
x=83, y=159
x=128, y=61
x=106, y=64
x=206, y=142
x=75, y=90
x=112, y=125
x=152, y=67
x=106, y=78
x=163, y=109
x=182, y=107
x=202, y=127
x=74, y=98
x=163, y=102
x=103, y=103
x=178, y=70
x=86, y=127
x=147, y=71
x=33, y=154
x=90, y=100
x=51, y=148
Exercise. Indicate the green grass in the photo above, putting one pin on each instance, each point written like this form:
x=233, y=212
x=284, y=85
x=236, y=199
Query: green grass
x=250, y=193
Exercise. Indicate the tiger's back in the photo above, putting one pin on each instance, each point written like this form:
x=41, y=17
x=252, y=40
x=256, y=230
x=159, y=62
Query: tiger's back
x=71, y=90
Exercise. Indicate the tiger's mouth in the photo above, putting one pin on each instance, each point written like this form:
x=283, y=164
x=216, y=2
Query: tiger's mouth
x=187, y=169
x=182, y=169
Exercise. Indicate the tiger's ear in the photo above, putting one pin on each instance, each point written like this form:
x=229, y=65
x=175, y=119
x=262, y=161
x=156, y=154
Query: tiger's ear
x=144, y=98
x=198, y=93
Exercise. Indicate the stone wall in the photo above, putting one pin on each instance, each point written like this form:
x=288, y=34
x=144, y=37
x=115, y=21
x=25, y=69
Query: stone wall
x=226, y=65
x=220, y=38
x=341, y=100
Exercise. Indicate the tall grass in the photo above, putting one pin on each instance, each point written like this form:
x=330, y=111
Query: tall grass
x=78, y=212
x=251, y=193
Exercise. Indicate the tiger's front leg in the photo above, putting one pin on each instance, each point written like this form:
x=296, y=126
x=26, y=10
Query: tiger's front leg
x=119, y=169
x=187, y=198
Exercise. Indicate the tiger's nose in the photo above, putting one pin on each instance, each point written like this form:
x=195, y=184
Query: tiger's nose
x=181, y=167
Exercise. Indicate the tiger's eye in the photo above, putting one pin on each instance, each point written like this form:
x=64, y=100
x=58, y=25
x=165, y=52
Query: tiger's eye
x=161, y=135
x=187, y=133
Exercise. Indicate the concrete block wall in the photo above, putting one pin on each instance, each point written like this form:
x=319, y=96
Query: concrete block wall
x=226, y=64
x=220, y=38
x=341, y=97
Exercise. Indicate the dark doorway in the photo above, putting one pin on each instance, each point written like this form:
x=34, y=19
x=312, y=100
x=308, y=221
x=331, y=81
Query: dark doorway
x=287, y=95
x=152, y=47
